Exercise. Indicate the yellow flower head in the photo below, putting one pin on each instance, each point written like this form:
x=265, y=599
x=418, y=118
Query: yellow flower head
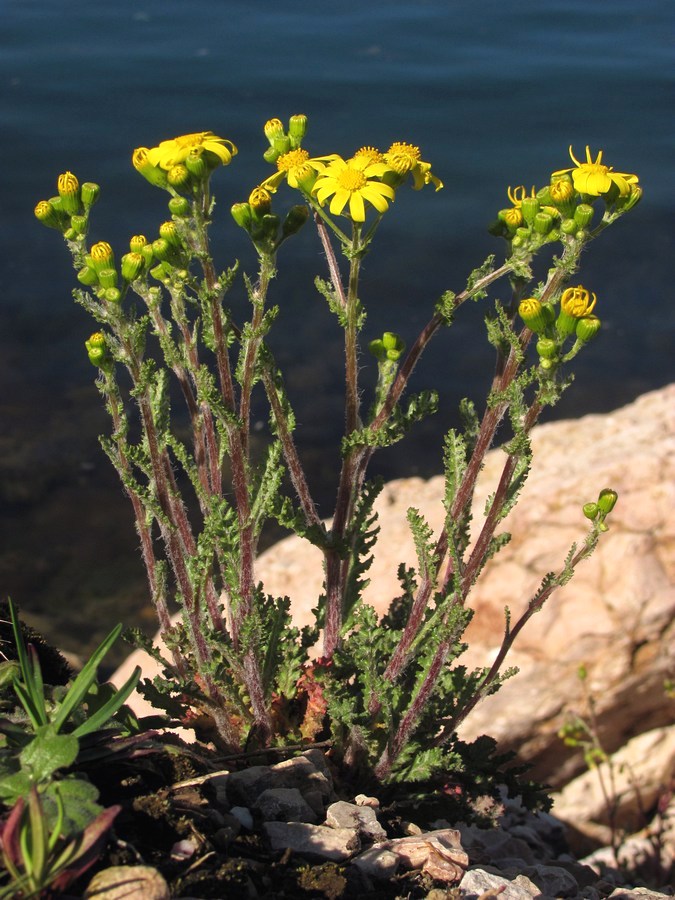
x=353, y=181
x=297, y=168
x=577, y=302
x=403, y=158
x=260, y=200
x=595, y=179
x=175, y=151
x=369, y=153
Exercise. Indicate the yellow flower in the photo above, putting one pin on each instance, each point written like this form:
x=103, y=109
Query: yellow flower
x=370, y=153
x=595, y=179
x=577, y=302
x=353, y=182
x=518, y=194
x=297, y=167
x=175, y=151
x=404, y=158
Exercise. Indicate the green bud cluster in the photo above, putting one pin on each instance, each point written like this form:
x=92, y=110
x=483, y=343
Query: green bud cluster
x=389, y=348
x=598, y=511
x=98, y=351
x=264, y=227
x=281, y=140
x=68, y=211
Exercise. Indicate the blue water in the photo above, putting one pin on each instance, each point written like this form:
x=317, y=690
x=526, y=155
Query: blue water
x=493, y=92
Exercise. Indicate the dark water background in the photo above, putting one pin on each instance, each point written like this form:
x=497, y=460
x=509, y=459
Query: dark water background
x=493, y=92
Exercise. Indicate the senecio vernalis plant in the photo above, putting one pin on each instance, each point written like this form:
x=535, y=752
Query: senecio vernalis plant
x=386, y=691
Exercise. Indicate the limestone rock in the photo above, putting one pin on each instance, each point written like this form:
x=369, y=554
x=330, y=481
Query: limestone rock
x=642, y=772
x=348, y=815
x=315, y=841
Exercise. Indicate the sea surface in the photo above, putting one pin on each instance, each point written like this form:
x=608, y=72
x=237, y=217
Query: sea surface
x=494, y=93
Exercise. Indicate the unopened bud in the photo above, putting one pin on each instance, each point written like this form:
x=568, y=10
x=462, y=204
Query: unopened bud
x=196, y=164
x=591, y=510
x=180, y=207
x=69, y=191
x=89, y=194
x=547, y=348
x=543, y=223
x=529, y=208
x=97, y=351
x=536, y=315
x=46, y=213
x=297, y=127
x=169, y=232
x=107, y=278
x=260, y=201
x=154, y=174
x=295, y=219
x=87, y=276
x=583, y=215
x=607, y=500
x=102, y=256
x=569, y=226
x=79, y=224
x=131, y=266
x=179, y=177
x=273, y=129
x=112, y=295
x=242, y=215
x=587, y=328
x=393, y=345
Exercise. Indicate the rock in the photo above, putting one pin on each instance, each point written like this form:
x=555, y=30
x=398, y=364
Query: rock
x=316, y=841
x=362, y=818
x=306, y=773
x=243, y=815
x=284, y=805
x=638, y=893
x=553, y=881
x=641, y=772
x=476, y=883
x=438, y=853
x=128, y=883
x=377, y=863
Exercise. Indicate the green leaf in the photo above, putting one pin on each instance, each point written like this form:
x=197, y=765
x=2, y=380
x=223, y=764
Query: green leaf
x=48, y=752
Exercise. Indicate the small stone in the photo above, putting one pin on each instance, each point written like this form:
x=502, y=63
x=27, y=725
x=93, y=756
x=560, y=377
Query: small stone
x=362, y=818
x=477, y=882
x=284, y=805
x=243, y=815
x=377, y=863
x=312, y=840
x=365, y=800
x=127, y=883
x=552, y=881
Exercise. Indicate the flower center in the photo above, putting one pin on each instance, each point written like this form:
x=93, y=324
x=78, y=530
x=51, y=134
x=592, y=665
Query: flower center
x=351, y=179
x=292, y=160
x=370, y=153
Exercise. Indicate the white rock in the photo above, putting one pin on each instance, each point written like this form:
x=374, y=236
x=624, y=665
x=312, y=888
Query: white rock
x=312, y=840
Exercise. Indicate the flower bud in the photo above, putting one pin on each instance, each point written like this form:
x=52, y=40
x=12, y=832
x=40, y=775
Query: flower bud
x=562, y=195
x=587, y=328
x=569, y=226
x=69, y=191
x=242, y=215
x=107, y=278
x=529, y=208
x=583, y=215
x=260, y=201
x=295, y=219
x=97, y=351
x=547, y=348
x=297, y=127
x=273, y=129
x=87, y=276
x=536, y=315
x=591, y=510
x=511, y=217
x=543, y=223
x=89, y=194
x=102, y=256
x=162, y=272
x=271, y=155
x=46, y=213
x=137, y=242
x=112, y=295
x=179, y=177
x=196, y=164
x=180, y=207
x=154, y=174
x=169, y=232
x=163, y=250
x=132, y=264
x=393, y=345
x=79, y=224
x=607, y=500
